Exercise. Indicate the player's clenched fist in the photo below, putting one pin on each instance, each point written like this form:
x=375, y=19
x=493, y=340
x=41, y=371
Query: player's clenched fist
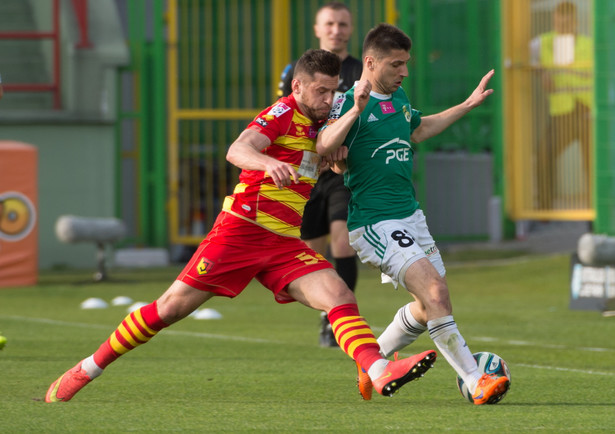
x=339, y=154
x=282, y=174
x=362, y=89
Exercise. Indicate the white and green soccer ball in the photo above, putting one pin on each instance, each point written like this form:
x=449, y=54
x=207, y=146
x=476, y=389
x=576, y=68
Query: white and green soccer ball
x=488, y=363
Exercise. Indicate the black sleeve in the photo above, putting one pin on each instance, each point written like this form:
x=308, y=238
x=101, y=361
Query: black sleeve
x=284, y=87
x=351, y=72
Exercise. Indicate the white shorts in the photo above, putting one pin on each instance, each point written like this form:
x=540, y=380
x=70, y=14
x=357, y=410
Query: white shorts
x=394, y=245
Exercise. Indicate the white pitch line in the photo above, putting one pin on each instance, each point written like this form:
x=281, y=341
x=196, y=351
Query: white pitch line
x=166, y=331
x=55, y=322
x=556, y=368
x=516, y=343
x=225, y=337
x=266, y=341
x=553, y=347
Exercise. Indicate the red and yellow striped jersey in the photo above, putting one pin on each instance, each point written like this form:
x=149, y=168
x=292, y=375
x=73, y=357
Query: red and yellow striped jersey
x=293, y=140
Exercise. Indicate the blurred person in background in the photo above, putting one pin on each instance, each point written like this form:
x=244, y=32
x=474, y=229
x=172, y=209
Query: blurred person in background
x=563, y=61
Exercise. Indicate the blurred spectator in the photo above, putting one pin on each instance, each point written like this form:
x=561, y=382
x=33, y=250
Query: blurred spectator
x=563, y=60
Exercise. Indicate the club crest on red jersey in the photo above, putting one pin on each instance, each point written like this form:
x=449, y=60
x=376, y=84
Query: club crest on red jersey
x=203, y=266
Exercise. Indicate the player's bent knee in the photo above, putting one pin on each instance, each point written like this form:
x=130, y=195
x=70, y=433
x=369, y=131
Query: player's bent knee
x=338, y=289
x=321, y=290
x=179, y=301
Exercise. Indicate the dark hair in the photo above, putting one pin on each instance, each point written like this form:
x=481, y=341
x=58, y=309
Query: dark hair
x=317, y=60
x=336, y=6
x=384, y=38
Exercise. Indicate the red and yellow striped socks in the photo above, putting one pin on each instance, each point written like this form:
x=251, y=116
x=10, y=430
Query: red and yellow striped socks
x=351, y=331
x=136, y=329
x=354, y=335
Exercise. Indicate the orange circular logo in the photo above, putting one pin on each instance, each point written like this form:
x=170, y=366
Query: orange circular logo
x=17, y=216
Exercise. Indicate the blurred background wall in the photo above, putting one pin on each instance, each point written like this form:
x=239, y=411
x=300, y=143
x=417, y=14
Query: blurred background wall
x=133, y=103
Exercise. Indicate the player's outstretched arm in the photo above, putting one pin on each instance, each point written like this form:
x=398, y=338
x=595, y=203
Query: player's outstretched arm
x=246, y=153
x=332, y=136
x=481, y=92
x=434, y=124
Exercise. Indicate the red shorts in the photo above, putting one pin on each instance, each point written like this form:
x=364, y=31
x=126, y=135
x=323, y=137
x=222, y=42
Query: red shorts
x=236, y=251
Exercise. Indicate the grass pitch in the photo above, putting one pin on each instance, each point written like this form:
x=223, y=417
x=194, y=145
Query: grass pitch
x=259, y=368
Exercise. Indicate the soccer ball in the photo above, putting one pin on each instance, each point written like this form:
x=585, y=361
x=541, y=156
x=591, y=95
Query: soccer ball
x=488, y=363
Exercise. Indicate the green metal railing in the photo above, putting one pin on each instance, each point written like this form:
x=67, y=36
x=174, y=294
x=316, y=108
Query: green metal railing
x=455, y=43
x=141, y=191
x=224, y=62
x=224, y=59
x=604, y=185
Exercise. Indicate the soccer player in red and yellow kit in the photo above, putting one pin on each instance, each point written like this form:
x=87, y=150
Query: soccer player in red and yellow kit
x=256, y=236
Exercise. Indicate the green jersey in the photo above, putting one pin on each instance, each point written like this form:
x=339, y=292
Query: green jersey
x=380, y=158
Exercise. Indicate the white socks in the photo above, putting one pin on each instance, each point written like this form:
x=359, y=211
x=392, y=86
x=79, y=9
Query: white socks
x=405, y=329
x=402, y=331
x=453, y=347
x=377, y=368
x=90, y=367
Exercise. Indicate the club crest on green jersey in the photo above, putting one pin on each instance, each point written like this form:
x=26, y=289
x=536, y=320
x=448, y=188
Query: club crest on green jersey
x=407, y=112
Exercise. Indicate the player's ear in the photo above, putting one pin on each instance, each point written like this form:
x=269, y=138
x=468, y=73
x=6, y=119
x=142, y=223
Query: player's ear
x=295, y=85
x=369, y=62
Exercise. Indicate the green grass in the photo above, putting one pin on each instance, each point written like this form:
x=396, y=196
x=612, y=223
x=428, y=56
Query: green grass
x=260, y=368
x=470, y=255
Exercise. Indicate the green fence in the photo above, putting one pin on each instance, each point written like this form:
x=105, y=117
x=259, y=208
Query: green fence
x=224, y=62
x=140, y=130
x=455, y=43
x=605, y=117
x=229, y=56
x=366, y=14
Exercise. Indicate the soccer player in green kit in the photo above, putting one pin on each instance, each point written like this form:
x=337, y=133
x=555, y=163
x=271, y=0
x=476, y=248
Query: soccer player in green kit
x=369, y=134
